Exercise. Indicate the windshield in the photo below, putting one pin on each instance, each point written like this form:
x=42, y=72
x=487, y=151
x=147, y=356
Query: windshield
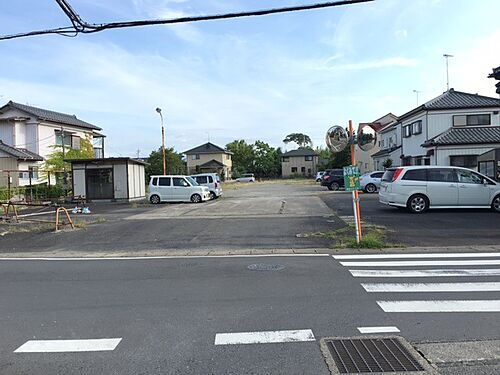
x=192, y=181
x=387, y=177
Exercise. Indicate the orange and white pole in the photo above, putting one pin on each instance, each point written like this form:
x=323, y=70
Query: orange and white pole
x=355, y=194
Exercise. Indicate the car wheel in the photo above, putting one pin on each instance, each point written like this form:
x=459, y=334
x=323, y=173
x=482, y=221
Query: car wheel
x=370, y=188
x=196, y=198
x=418, y=204
x=155, y=199
x=334, y=186
x=212, y=195
x=495, y=205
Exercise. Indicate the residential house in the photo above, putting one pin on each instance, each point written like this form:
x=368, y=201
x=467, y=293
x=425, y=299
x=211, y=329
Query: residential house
x=299, y=162
x=29, y=134
x=209, y=158
x=369, y=161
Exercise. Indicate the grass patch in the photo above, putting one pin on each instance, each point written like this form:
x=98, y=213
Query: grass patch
x=374, y=237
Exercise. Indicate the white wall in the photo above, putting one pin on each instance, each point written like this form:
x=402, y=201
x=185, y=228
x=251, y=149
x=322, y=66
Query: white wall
x=120, y=181
x=79, y=184
x=47, y=136
x=442, y=154
x=136, y=181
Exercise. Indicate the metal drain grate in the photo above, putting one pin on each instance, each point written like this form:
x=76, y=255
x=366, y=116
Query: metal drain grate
x=372, y=355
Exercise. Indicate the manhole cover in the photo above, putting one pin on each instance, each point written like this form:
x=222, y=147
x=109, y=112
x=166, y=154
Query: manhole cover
x=372, y=355
x=265, y=267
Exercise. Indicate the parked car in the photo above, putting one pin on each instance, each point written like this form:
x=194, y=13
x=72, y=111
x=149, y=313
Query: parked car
x=370, y=182
x=210, y=180
x=419, y=188
x=246, y=177
x=333, y=179
x=176, y=189
x=319, y=175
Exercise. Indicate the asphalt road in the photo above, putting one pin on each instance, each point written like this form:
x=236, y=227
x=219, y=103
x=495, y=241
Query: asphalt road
x=168, y=313
x=460, y=227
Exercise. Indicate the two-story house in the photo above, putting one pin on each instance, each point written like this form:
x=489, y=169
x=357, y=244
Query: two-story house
x=209, y=158
x=299, y=162
x=451, y=129
x=28, y=136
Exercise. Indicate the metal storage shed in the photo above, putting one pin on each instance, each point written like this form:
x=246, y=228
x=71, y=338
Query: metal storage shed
x=111, y=179
x=489, y=164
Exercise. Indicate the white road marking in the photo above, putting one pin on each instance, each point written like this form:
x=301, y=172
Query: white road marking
x=264, y=337
x=378, y=329
x=59, y=346
x=161, y=257
x=432, y=287
x=429, y=255
x=414, y=263
x=426, y=273
x=441, y=306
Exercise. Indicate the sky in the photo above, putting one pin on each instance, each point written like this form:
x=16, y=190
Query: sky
x=253, y=78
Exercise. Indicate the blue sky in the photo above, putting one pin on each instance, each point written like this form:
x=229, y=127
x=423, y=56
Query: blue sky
x=255, y=78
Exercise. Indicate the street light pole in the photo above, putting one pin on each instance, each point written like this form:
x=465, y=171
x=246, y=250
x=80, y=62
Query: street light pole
x=162, y=142
x=416, y=92
x=446, y=56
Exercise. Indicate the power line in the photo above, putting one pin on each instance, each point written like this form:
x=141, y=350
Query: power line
x=81, y=26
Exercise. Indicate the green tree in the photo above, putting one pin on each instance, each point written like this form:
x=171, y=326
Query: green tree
x=55, y=160
x=387, y=163
x=175, y=164
x=267, y=160
x=303, y=140
x=243, y=156
x=330, y=160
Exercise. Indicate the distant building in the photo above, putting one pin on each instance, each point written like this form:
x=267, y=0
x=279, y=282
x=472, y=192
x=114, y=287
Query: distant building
x=300, y=162
x=209, y=158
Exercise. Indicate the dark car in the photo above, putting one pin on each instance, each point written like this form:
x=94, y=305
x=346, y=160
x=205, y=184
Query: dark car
x=333, y=179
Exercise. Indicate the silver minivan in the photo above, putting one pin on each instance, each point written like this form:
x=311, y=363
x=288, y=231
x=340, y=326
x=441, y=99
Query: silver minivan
x=176, y=189
x=420, y=188
x=210, y=180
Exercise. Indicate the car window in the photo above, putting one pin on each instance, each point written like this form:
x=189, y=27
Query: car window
x=192, y=181
x=164, y=181
x=441, y=175
x=468, y=177
x=416, y=175
x=377, y=175
x=201, y=179
x=179, y=181
x=154, y=181
x=210, y=179
x=387, y=177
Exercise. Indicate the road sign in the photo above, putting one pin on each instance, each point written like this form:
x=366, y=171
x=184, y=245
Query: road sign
x=351, y=178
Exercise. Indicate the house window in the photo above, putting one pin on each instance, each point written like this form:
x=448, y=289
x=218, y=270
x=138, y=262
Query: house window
x=303, y=169
x=59, y=138
x=76, y=142
x=195, y=157
x=308, y=158
x=416, y=127
x=407, y=131
x=472, y=120
x=294, y=169
x=466, y=161
x=286, y=159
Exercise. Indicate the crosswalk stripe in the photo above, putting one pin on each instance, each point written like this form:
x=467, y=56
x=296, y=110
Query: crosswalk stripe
x=426, y=273
x=429, y=255
x=432, y=287
x=378, y=329
x=60, y=346
x=441, y=306
x=414, y=263
x=264, y=337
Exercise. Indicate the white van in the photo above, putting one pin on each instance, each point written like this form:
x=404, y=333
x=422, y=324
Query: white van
x=176, y=189
x=210, y=180
x=419, y=188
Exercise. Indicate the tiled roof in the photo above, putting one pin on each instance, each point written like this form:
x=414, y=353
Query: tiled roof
x=44, y=114
x=19, y=153
x=300, y=152
x=212, y=164
x=207, y=148
x=385, y=151
x=466, y=135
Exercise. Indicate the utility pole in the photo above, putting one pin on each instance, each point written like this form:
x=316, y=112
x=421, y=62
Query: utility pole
x=446, y=56
x=65, y=176
x=417, y=92
x=162, y=141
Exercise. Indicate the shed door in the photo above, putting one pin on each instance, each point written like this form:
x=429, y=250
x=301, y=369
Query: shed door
x=100, y=183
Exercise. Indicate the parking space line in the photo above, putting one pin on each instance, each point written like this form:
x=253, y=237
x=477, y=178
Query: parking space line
x=432, y=287
x=390, y=329
x=413, y=263
x=427, y=273
x=441, y=306
x=430, y=255
x=264, y=337
x=61, y=346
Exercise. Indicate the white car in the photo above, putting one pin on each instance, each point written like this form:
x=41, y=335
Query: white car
x=319, y=176
x=246, y=177
x=370, y=182
x=422, y=187
x=176, y=189
x=211, y=181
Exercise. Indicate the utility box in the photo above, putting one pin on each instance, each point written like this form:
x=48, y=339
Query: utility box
x=109, y=179
x=489, y=164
